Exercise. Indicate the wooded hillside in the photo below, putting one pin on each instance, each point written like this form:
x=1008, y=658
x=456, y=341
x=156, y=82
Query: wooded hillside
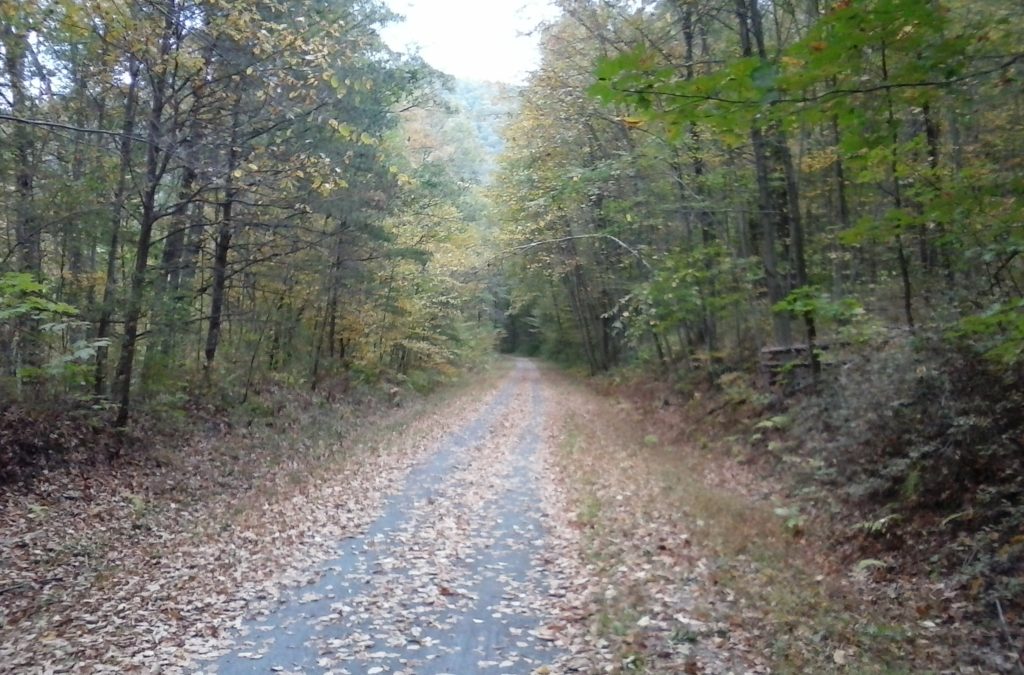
x=210, y=196
x=809, y=215
x=787, y=235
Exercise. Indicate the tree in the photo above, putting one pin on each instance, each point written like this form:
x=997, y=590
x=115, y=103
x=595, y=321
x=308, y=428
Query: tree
x=217, y=186
x=832, y=144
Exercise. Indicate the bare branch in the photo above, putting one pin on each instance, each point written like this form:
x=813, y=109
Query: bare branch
x=69, y=127
x=599, y=235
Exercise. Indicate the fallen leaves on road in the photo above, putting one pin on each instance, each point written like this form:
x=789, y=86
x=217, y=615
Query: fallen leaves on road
x=135, y=571
x=446, y=579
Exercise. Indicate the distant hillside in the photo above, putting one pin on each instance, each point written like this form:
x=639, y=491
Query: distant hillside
x=486, y=107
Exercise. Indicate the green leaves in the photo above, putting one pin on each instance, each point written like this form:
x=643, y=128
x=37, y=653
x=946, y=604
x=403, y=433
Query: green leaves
x=21, y=294
x=858, y=49
x=812, y=301
x=998, y=332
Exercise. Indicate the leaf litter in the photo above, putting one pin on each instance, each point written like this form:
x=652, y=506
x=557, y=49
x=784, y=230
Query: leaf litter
x=487, y=560
x=142, y=571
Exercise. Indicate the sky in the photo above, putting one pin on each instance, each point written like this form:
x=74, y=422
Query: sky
x=472, y=39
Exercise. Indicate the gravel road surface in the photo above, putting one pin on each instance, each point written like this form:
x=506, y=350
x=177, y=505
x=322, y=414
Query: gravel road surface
x=451, y=578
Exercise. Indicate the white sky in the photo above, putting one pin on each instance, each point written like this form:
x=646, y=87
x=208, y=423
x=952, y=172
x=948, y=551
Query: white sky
x=472, y=39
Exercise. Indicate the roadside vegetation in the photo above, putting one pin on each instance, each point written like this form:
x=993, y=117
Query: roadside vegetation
x=797, y=229
x=785, y=242
x=712, y=554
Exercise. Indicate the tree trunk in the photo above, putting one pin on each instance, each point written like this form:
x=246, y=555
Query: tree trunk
x=155, y=169
x=939, y=250
x=27, y=347
x=897, y=196
x=223, y=246
x=116, y=218
x=26, y=229
x=772, y=201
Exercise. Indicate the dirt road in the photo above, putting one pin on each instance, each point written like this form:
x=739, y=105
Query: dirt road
x=453, y=577
x=516, y=525
x=520, y=524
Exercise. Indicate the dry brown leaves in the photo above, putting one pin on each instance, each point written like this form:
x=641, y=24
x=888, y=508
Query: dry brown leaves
x=136, y=572
x=154, y=573
x=642, y=597
x=677, y=531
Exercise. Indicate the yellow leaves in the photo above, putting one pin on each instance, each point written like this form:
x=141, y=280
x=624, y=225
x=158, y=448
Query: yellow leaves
x=791, y=62
x=347, y=133
x=818, y=160
x=905, y=31
x=632, y=122
x=343, y=130
x=8, y=11
x=329, y=186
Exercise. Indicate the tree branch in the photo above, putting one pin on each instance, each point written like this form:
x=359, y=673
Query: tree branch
x=69, y=127
x=831, y=93
x=633, y=251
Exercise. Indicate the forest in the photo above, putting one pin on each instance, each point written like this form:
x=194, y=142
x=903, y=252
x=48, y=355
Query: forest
x=807, y=218
x=795, y=228
x=200, y=196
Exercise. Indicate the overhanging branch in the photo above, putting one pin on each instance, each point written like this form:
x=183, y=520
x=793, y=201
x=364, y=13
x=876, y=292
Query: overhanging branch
x=534, y=244
x=69, y=127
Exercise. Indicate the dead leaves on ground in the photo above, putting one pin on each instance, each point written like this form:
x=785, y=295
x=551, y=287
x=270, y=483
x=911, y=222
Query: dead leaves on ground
x=641, y=597
x=131, y=571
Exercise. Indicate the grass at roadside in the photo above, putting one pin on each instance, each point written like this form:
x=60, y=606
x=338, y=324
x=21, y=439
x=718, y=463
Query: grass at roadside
x=729, y=573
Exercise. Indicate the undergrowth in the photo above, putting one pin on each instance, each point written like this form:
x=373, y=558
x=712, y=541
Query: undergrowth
x=775, y=592
x=916, y=451
x=872, y=522
x=76, y=435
